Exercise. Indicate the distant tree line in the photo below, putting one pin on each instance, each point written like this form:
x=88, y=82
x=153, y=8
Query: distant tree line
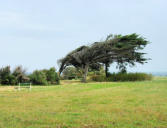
x=38, y=77
x=124, y=50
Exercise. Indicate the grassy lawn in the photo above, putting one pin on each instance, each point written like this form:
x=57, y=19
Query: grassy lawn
x=92, y=105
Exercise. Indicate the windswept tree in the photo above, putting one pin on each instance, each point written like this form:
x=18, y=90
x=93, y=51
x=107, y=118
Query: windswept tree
x=79, y=58
x=82, y=58
x=108, y=60
x=116, y=48
x=131, y=46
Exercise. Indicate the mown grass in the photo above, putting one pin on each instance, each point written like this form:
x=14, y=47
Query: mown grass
x=91, y=105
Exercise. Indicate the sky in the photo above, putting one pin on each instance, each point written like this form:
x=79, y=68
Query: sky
x=36, y=33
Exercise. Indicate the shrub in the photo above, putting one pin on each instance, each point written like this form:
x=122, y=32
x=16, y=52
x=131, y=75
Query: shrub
x=12, y=80
x=70, y=73
x=123, y=77
x=9, y=78
x=38, y=78
x=6, y=78
x=43, y=77
x=52, y=76
x=20, y=75
x=98, y=78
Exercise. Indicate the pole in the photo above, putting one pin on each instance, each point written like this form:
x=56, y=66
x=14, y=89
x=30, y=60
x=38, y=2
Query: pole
x=19, y=86
x=30, y=86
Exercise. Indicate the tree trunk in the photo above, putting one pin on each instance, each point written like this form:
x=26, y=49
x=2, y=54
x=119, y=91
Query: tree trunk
x=106, y=70
x=85, y=73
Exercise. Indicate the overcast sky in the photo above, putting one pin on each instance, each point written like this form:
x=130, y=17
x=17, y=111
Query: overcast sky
x=36, y=33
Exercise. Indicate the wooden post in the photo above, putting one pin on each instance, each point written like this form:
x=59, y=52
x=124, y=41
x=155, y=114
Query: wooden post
x=19, y=86
x=30, y=86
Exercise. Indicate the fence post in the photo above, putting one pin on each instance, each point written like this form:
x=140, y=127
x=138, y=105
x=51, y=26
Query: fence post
x=30, y=86
x=19, y=86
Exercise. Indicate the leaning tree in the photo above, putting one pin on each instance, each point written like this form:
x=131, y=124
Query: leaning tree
x=79, y=58
x=114, y=49
x=131, y=54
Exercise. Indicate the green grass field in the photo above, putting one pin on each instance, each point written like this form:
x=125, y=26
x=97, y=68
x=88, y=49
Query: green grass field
x=92, y=105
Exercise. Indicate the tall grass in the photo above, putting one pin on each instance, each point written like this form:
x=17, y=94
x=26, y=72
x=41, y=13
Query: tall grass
x=122, y=77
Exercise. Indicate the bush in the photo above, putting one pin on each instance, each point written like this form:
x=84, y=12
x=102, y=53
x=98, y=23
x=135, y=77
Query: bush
x=38, y=78
x=98, y=78
x=52, y=76
x=43, y=77
x=6, y=78
x=20, y=75
x=69, y=73
x=123, y=77
x=9, y=78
